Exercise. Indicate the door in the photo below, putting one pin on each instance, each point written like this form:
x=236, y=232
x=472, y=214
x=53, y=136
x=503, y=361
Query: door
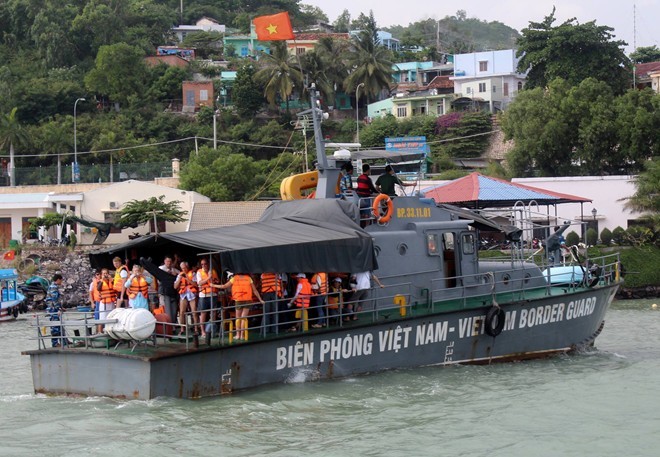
x=5, y=231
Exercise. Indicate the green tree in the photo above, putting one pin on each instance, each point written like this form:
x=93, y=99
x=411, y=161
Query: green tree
x=645, y=54
x=573, y=52
x=279, y=73
x=119, y=73
x=12, y=135
x=221, y=175
x=140, y=212
x=246, y=92
x=646, y=199
x=371, y=66
x=606, y=236
x=343, y=22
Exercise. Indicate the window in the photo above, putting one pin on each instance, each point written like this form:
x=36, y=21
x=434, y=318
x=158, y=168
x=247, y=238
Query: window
x=203, y=95
x=520, y=85
x=494, y=89
x=468, y=90
x=432, y=244
x=300, y=51
x=244, y=51
x=440, y=110
x=483, y=65
x=422, y=110
x=468, y=243
x=505, y=89
x=482, y=87
x=401, y=111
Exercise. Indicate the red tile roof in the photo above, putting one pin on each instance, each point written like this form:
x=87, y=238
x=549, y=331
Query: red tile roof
x=643, y=69
x=441, y=82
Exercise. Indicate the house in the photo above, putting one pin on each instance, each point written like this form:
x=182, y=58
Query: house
x=306, y=41
x=384, y=38
x=103, y=204
x=197, y=94
x=241, y=45
x=647, y=75
x=488, y=78
x=205, y=24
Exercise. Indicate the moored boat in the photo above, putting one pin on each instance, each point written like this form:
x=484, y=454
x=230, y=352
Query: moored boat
x=11, y=298
x=440, y=304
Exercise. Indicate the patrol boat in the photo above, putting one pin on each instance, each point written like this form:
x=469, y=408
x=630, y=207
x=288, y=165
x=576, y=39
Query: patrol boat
x=440, y=305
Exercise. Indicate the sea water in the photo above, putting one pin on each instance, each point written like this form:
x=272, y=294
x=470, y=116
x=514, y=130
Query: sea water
x=603, y=402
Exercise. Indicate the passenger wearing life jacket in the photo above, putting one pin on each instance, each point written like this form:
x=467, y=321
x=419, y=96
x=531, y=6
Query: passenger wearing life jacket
x=121, y=273
x=94, y=294
x=271, y=291
x=137, y=287
x=107, y=296
x=365, y=189
x=243, y=292
x=320, y=290
x=301, y=298
x=186, y=284
x=207, y=297
x=334, y=301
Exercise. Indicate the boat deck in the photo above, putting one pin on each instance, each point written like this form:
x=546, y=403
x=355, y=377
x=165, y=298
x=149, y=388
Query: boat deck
x=164, y=344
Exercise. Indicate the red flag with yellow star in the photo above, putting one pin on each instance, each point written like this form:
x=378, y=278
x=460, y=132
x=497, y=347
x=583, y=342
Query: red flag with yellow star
x=273, y=28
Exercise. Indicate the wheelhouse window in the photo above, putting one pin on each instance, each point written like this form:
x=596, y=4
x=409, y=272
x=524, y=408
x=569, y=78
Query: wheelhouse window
x=468, y=243
x=432, y=246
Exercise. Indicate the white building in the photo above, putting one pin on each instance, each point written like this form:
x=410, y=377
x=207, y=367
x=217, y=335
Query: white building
x=488, y=77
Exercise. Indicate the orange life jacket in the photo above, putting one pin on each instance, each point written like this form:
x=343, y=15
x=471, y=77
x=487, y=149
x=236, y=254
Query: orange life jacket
x=320, y=279
x=241, y=288
x=271, y=282
x=96, y=295
x=138, y=285
x=206, y=287
x=108, y=293
x=187, y=282
x=302, y=301
x=118, y=282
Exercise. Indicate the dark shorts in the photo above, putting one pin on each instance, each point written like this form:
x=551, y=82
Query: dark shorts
x=206, y=303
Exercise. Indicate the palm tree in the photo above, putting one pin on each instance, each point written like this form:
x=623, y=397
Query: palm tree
x=280, y=73
x=647, y=195
x=370, y=64
x=13, y=134
x=332, y=53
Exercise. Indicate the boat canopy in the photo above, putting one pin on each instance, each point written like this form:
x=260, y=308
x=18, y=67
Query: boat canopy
x=299, y=235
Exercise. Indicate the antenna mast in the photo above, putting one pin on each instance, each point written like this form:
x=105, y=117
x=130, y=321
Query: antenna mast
x=634, y=44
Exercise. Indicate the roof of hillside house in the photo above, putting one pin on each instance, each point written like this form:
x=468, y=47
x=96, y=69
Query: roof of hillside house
x=441, y=82
x=225, y=214
x=642, y=70
x=478, y=191
x=315, y=36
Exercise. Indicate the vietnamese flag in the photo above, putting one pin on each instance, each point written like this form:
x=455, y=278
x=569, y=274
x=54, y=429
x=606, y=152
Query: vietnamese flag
x=273, y=28
x=9, y=255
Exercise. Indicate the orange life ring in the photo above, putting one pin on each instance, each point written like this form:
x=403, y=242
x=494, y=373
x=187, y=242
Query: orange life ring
x=375, y=209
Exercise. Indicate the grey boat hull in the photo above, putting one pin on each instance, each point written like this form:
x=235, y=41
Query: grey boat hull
x=533, y=328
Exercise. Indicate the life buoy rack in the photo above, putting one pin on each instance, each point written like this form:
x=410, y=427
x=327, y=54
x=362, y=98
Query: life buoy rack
x=494, y=323
x=375, y=209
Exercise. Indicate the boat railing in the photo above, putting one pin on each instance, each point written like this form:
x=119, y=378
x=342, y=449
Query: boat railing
x=276, y=317
x=75, y=328
x=601, y=270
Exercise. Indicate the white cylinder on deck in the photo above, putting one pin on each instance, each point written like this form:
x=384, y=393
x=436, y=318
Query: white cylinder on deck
x=132, y=324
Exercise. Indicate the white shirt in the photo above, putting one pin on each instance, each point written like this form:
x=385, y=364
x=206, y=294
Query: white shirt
x=363, y=280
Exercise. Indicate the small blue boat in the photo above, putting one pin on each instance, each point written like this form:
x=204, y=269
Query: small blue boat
x=10, y=297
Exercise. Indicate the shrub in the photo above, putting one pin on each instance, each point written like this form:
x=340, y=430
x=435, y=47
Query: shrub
x=619, y=236
x=572, y=239
x=592, y=237
x=639, y=235
x=606, y=236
